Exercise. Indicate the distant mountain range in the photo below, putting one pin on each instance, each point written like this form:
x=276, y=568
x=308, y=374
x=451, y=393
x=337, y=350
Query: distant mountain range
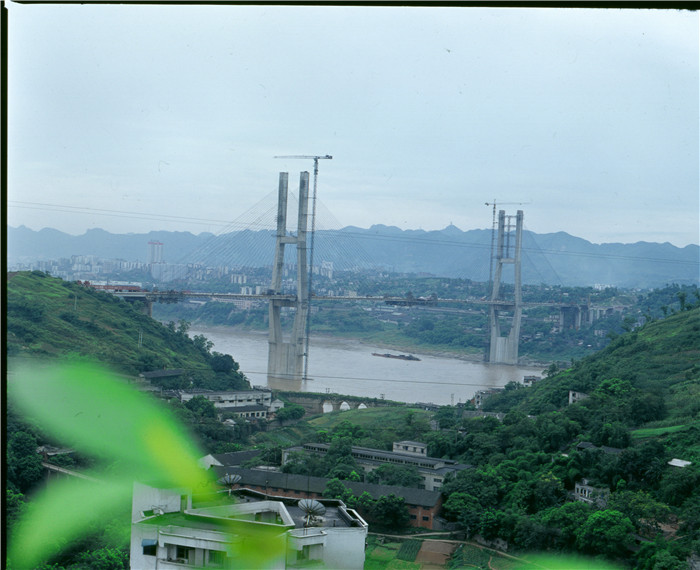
x=556, y=259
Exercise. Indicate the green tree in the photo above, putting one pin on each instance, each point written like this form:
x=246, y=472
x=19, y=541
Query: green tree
x=401, y=475
x=537, y=493
x=678, y=484
x=615, y=387
x=201, y=407
x=14, y=507
x=344, y=471
x=447, y=417
x=335, y=489
x=365, y=503
x=645, y=512
x=24, y=470
x=223, y=363
x=606, y=532
x=613, y=434
x=103, y=559
x=565, y=520
x=391, y=511
x=464, y=509
x=291, y=412
x=203, y=344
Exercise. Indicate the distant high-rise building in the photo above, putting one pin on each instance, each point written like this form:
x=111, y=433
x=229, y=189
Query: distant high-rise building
x=155, y=252
x=327, y=269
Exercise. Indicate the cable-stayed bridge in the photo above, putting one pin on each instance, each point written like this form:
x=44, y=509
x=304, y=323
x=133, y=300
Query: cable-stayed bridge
x=289, y=353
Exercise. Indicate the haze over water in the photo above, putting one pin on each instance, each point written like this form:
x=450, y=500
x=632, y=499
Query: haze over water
x=348, y=367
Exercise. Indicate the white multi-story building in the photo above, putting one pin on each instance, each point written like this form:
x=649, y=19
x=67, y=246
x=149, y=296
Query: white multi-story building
x=259, y=531
x=232, y=398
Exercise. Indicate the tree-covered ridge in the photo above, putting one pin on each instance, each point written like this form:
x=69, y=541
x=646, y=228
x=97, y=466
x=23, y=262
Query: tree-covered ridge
x=51, y=318
x=649, y=374
x=641, y=410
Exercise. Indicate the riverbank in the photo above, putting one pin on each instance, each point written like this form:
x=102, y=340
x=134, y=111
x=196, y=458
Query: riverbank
x=378, y=340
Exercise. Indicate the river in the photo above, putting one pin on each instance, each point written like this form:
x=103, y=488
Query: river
x=347, y=367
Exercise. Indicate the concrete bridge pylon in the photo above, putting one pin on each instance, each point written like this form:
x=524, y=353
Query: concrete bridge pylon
x=504, y=349
x=285, y=360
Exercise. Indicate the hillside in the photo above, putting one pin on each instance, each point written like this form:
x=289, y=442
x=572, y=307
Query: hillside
x=51, y=318
x=656, y=370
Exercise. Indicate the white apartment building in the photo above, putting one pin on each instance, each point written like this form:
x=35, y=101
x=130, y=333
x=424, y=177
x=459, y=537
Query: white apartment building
x=258, y=531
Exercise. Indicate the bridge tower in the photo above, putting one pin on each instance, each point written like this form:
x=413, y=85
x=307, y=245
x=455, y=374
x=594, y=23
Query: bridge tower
x=504, y=349
x=285, y=357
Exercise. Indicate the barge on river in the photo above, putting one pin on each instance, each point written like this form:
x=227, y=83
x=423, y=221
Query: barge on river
x=399, y=356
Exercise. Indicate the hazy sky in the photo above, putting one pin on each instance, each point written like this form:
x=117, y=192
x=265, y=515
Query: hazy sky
x=176, y=112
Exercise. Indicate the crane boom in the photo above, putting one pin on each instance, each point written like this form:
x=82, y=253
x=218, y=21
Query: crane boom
x=312, y=157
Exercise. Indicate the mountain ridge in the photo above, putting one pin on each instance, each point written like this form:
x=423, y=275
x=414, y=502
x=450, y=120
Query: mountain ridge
x=556, y=258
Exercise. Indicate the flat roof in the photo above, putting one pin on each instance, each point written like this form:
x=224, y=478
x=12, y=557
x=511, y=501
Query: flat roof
x=220, y=517
x=434, y=462
x=292, y=482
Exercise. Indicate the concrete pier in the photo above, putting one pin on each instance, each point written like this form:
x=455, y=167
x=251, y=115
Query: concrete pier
x=286, y=356
x=504, y=349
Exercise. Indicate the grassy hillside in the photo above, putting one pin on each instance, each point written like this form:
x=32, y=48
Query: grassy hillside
x=654, y=369
x=371, y=427
x=51, y=318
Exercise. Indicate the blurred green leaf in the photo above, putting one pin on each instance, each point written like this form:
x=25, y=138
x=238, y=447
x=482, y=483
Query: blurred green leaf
x=98, y=414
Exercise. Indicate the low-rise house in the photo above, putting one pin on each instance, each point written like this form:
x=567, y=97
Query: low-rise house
x=575, y=396
x=231, y=398
x=410, y=448
x=480, y=396
x=592, y=495
x=604, y=448
x=247, y=412
x=423, y=506
x=169, y=532
x=230, y=459
x=276, y=405
x=433, y=470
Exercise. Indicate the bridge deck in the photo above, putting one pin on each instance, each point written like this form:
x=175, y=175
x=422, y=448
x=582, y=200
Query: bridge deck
x=179, y=295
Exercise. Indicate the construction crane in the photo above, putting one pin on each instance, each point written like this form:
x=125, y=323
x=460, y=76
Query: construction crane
x=493, y=230
x=315, y=158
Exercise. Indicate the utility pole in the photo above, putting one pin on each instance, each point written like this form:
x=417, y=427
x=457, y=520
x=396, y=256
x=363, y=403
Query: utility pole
x=315, y=158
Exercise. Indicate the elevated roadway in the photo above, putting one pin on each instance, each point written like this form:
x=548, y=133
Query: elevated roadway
x=177, y=296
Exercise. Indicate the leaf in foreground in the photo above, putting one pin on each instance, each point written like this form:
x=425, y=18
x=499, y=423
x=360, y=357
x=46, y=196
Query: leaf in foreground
x=97, y=414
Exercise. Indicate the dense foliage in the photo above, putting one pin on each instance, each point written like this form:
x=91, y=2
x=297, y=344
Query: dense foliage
x=642, y=410
x=48, y=317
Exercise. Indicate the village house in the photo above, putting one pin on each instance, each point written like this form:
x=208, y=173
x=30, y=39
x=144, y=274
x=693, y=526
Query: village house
x=592, y=495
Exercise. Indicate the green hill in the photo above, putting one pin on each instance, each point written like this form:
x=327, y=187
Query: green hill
x=51, y=318
x=650, y=374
